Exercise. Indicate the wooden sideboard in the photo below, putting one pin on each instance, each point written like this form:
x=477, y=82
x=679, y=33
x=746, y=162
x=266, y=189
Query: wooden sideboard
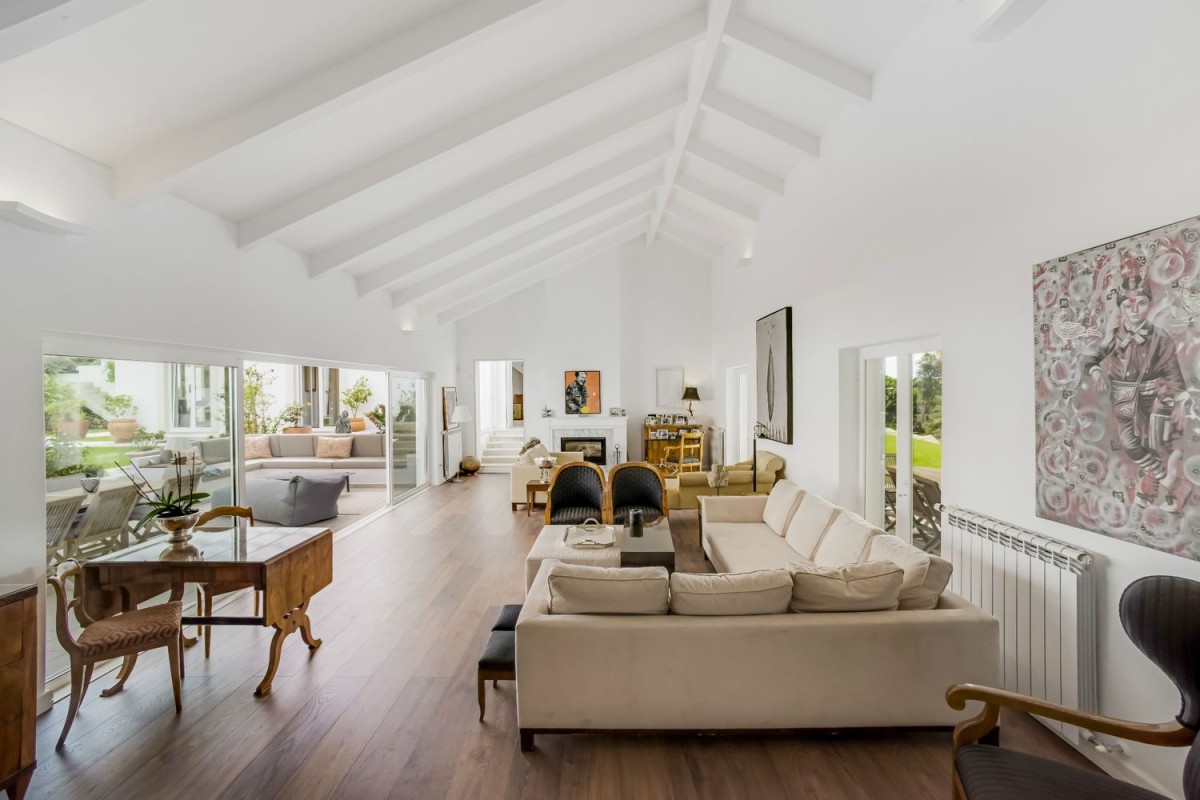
x=18, y=686
x=654, y=448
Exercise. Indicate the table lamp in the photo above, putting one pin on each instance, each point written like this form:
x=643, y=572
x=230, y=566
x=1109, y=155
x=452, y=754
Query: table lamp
x=690, y=395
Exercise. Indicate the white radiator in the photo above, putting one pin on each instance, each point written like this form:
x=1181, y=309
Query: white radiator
x=452, y=452
x=1042, y=592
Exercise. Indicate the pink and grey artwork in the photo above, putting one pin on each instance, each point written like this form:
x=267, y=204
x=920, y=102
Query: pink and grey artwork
x=1117, y=362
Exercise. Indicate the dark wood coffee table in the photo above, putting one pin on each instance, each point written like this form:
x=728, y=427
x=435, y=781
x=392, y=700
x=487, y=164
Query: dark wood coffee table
x=531, y=490
x=654, y=548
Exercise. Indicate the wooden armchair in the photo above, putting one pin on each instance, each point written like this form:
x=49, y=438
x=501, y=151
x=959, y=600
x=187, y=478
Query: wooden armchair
x=636, y=485
x=689, y=453
x=126, y=634
x=205, y=592
x=1161, y=615
x=576, y=494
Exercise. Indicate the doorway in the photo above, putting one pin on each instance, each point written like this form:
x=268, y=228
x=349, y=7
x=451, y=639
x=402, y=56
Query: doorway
x=499, y=412
x=902, y=440
x=738, y=422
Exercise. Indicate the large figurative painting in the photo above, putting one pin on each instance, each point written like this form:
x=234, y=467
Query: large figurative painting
x=1117, y=360
x=773, y=348
x=581, y=389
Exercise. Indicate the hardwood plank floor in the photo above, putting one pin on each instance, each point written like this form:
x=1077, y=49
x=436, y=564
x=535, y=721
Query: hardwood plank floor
x=386, y=707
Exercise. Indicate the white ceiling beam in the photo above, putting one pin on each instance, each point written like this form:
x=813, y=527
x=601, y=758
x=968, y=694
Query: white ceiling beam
x=718, y=13
x=630, y=56
x=1003, y=19
x=486, y=296
x=701, y=235
x=549, y=232
x=689, y=244
x=454, y=282
x=849, y=81
x=746, y=211
x=739, y=167
x=802, y=140
x=28, y=25
x=558, y=152
x=693, y=217
x=162, y=164
x=710, y=215
x=635, y=162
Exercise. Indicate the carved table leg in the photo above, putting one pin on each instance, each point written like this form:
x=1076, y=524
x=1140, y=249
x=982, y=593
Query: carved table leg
x=295, y=620
x=177, y=594
x=122, y=676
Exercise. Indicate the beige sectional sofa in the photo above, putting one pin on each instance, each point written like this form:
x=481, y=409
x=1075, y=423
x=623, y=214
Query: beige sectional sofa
x=523, y=473
x=656, y=671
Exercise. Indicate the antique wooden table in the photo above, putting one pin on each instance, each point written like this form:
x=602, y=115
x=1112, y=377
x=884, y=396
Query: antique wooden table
x=288, y=565
x=531, y=490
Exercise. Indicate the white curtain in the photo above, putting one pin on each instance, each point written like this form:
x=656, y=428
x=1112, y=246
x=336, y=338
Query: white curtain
x=493, y=395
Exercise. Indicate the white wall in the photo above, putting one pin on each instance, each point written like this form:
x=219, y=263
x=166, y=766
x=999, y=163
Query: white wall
x=162, y=272
x=925, y=215
x=622, y=312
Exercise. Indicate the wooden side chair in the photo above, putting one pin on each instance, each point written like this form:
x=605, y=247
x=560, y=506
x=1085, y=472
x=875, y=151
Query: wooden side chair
x=639, y=485
x=1161, y=616
x=124, y=635
x=576, y=494
x=688, y=454
x=60, y=517
x=105, y=525
x=205, y=592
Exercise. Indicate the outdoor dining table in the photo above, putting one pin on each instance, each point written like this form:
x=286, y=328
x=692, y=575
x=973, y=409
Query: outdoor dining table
x=288, y=565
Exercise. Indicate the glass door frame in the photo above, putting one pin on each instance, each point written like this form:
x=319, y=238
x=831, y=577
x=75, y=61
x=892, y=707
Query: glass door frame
x=425, y=441
x=872, y=445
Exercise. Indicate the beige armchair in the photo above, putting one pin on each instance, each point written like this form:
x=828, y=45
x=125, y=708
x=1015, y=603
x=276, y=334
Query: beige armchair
x=688, y=487
x=522, y=474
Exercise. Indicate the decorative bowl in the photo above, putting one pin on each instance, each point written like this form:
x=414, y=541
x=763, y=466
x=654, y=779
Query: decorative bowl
x=179, y=529
x=545, y=464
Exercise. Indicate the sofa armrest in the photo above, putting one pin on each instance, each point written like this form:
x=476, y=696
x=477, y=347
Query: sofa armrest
x=746, y=508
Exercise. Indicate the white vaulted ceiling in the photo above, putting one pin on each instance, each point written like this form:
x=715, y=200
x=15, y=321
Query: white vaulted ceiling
x=447, y=153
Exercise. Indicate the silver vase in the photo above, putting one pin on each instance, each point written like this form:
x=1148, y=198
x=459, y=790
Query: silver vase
x=179, y=529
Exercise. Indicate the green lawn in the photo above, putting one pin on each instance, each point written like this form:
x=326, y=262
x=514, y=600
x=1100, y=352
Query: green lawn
x=925, y=454
x=108, y=457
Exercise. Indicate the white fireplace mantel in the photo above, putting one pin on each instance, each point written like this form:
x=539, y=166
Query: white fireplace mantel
x=614, y=429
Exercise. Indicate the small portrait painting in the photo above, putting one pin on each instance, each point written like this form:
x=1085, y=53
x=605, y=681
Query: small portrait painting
x=582, y=391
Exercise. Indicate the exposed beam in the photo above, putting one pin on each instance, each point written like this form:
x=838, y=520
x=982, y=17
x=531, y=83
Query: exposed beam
x=688, y=244
x=718, y=12
x=452, y=281
x=561, y=150
x=603, y=208
x=739, y=167
x=488, y=295
x=705, y=222
x=688, y=184
x=28, y=25
x=802, y=140
x=701, y=235
x=163, y=163
x=852, y=83
x=1004, y=19
x=636, y=53
x=635, y=162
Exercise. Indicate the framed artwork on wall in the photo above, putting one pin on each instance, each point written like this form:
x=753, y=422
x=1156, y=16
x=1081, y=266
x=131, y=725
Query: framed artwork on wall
x=1117, y=380
x=668, y=387
x=449, y=401
x=581, y=390
x=773, y=368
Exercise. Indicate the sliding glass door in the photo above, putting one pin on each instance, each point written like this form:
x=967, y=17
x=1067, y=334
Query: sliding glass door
x=408, y=434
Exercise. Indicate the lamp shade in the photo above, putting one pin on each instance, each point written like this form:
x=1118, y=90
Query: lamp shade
x=461, y=414
x=690, y=393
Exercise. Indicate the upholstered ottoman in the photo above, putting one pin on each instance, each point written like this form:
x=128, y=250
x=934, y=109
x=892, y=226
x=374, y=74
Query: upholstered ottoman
x=499, y=659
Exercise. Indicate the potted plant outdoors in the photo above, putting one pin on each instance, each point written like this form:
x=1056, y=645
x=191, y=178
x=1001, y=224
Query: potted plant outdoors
x=176, y=512
x=146, y=443
x=291, y=417
x=122, y=421
x=355, y=398
x=378, y=417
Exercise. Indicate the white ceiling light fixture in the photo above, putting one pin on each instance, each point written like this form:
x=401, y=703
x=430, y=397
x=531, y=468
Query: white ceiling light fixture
x=29, y=217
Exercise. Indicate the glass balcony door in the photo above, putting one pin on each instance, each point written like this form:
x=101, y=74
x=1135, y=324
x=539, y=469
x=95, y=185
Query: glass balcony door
x=407, y=434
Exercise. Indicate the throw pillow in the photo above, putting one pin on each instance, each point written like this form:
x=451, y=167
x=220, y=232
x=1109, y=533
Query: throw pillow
x=766, y=591
x=580, y=589
x=524, y=457
x=809, y=524
x=781, y=504
x=537, y=451
x=866, y=586
x=925, y=575
x=848, y=540
x=334, y=446
x=258, y=446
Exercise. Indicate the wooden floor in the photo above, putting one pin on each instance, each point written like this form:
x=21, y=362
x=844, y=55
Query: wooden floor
x=386, y=707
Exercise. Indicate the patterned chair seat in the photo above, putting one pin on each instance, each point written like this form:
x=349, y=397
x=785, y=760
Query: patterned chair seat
x=649, y=513
x=993, y=773
x=574, y=515
x=140, y=628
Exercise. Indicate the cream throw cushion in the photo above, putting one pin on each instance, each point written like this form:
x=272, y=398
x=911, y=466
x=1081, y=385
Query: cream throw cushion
x=847, y=540
x=334, y=446
x=258, y=446
x=925, y=575
x=579, y=589
x=766, y=591
x=809, y=524
x=781, y=502
x=866, y=586
x=536, y=450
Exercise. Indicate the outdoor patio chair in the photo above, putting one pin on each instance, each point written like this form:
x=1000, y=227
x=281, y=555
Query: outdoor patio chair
x=105, y=525
x=60, y=517
x=927, y=522
x=205, y=592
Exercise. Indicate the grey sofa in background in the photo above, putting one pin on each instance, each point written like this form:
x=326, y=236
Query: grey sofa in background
x=298, y=451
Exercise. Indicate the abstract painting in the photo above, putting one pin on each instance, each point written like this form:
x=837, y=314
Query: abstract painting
x=773, y=359
x=1117, y=370
x=582, y=391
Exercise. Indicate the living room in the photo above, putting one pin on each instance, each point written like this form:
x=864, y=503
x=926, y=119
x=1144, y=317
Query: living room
x=624, y=191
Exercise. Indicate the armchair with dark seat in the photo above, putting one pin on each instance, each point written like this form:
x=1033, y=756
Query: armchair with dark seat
x=636, y=485
x=576, y=494
x=1161, y=616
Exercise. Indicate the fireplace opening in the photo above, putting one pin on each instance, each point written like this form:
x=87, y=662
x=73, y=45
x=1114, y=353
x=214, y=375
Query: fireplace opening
x=593, y=448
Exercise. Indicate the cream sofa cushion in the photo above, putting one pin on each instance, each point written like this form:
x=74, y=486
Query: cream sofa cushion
x=848, y=540
x=925, y=575
x=536, y=451
x=866, y=586
x=765, y=591
x=809, y=524
x=334, y=446
x=258, y=446
x=781, y=504
x=745, y=547
x=579, y=589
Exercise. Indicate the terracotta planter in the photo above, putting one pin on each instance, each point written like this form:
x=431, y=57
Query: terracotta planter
x=72, y=429
x=122, y=430
x=298, y=429
x=357, y=424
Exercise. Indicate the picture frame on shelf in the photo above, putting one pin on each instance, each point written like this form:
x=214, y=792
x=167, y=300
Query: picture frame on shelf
x=616, y=412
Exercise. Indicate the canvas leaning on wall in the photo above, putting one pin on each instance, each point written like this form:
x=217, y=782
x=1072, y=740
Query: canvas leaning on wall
x=1117, y=368
x=773, y=370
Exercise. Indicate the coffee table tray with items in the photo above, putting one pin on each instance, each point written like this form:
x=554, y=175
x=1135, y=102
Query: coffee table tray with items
x=654, y=548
